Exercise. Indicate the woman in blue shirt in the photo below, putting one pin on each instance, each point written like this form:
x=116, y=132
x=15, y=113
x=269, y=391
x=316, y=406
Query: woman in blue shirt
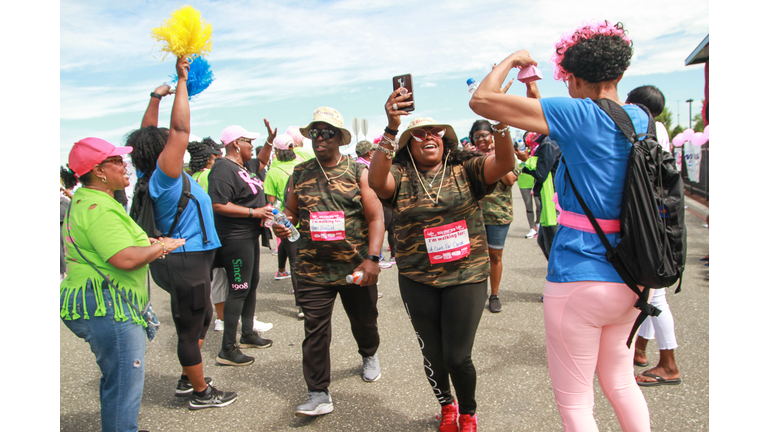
x=588, y=310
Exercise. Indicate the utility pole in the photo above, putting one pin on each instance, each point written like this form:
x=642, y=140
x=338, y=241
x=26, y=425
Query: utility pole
x=678, y=113
x=690, y=121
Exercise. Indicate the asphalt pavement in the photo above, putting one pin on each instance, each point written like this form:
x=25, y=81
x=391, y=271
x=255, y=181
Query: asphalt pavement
x=513, y=386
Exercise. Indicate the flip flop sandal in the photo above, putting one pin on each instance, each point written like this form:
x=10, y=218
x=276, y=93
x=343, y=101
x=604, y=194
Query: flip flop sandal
x=640, y=364
x=659, y=380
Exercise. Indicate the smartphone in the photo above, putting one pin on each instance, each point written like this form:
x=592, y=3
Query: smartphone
x=407, y=82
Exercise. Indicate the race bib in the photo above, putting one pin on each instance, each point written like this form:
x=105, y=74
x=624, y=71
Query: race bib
x=447, y=243
x=326, y=226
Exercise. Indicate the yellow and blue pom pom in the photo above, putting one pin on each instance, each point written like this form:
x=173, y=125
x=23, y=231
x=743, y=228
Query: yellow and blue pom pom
x=185, y=33
x=199, y=78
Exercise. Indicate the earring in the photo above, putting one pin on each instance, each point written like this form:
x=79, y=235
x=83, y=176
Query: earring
x=104, y=179
x=238, y=149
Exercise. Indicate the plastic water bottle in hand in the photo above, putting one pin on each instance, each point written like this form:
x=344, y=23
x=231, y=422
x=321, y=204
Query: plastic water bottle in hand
x=280, y=218
x=355, y=278
x=266, y=222
x=472, y=85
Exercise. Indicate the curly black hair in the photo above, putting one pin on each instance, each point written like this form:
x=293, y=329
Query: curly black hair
x=147, y=142
x=68, y=178
x=650, y=97
x=285, y=155
x=199, y=161
x=451, y=156
x=599, y=58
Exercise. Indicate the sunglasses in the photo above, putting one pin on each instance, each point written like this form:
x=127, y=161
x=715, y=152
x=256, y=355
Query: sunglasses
x=114, y=159
x=325, y=133
x=246, y=140
x=480, y=136
x=421, y=134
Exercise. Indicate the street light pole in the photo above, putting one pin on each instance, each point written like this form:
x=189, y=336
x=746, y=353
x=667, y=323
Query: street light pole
x=690, y=121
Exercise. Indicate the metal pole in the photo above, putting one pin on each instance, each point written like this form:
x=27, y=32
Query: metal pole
x=690, y=119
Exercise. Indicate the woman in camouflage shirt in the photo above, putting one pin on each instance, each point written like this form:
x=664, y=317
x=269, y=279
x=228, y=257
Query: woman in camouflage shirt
x=442, y=252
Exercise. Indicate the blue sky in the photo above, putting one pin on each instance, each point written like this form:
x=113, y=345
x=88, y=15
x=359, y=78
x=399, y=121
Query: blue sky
x=281, y=60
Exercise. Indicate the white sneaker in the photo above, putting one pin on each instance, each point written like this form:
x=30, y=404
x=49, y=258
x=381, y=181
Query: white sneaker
x=300, y=314
x=384, y=264
x=531, y=233
x=259, y=326
x=218, y=325
x=380, y=294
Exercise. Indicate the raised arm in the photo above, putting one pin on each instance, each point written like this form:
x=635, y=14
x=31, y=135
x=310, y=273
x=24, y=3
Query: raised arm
x=502, y=161
x=152, y=112
x=521, y=112
x=171, y=159
x=379, y=178
x=266, y=151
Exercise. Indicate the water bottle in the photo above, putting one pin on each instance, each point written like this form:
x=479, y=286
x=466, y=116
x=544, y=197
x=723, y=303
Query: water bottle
x=521, y=145
x=472, y=86
x=265, y=222
x=281, y=218
x=355, y=278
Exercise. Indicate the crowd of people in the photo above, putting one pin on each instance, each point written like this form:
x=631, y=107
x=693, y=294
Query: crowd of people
x=446, y=207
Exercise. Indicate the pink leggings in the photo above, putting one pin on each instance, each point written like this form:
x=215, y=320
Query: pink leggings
x=587, y=325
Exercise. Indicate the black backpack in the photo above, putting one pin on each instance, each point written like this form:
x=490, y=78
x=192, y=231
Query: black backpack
x=142, y=209
x=652, y=249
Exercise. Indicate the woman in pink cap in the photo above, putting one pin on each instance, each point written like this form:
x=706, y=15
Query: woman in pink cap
x=102, y=240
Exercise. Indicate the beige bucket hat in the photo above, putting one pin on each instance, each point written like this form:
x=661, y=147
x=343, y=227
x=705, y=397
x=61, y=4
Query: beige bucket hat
x=330, y=116
x=420, y=122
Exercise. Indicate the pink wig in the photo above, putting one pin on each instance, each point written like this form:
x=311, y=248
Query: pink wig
x=586, y=31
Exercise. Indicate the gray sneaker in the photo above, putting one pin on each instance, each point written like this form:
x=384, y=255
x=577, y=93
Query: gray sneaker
x=318, y=403
x=371, y=368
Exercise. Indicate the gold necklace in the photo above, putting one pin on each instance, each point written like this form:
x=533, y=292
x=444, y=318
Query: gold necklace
x=337, y=163
x=437, y=196
x=229, y=159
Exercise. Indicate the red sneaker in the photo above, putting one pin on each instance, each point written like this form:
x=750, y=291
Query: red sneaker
x=448, y=416
x=468, y=423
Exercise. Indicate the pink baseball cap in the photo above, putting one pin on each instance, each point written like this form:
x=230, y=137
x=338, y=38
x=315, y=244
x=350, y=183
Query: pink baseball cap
x=92, y=151
x=234, y=132
x=284, y=142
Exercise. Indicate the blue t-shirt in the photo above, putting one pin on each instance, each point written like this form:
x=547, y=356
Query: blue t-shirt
x=597, y=153
x=165, y=192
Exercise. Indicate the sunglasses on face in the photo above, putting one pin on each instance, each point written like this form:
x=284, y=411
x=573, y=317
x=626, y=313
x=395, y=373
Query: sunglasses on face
x=325, y=133
x=421, y=134
x=245, y=140
x=480, y=136
x=114, y=159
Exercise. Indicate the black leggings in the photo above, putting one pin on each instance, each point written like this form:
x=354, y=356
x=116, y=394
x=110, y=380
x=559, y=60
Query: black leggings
x=191, y=277
x=240, y=259
x=446, y=320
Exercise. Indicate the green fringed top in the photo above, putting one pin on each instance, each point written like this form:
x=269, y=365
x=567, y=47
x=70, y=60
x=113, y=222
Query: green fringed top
x=101, y=228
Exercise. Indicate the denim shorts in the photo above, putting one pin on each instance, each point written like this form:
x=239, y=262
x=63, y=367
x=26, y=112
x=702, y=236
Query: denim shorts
x=497, y=235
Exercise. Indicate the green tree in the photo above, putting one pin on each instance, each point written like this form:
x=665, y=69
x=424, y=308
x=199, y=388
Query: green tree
x=677, y=130
x=665, y=118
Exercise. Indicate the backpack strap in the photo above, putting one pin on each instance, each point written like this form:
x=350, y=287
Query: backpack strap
x=186, y=195
x=623, y=121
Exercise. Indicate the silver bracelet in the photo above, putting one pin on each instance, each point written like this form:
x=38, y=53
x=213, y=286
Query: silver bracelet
x=386, y=151
x=391, y=141
x=503, y=132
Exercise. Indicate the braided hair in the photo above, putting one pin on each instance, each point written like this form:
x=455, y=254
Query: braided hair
x=197, y=162
x=68, y=178
x=147, y=142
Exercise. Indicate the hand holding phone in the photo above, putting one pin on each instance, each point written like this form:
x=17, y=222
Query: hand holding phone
x=406, y=82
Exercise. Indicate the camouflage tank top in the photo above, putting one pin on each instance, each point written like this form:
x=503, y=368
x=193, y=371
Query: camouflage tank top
x=442, y=244
x=497, y=206
x=329, y=249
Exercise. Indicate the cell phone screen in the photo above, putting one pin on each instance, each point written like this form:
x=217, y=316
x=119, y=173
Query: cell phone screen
x=407, y=82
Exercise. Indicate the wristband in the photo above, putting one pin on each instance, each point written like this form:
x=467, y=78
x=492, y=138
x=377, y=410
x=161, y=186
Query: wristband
x=374, y=258
x=250, y=212
x=392, y=132
x=155, y=95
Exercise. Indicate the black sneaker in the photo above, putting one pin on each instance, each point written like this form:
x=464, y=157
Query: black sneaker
x=494, y=304
x=213, y=399
x=233, y=357
x=253, y=340
x=184, y=387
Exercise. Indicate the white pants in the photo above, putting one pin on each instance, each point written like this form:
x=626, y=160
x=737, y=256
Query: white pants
x=663, y=326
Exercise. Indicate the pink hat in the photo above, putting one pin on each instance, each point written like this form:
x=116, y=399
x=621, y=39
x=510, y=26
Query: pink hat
x=295, y=133
x=92, y=151
x=284, y=142
x=234, y=132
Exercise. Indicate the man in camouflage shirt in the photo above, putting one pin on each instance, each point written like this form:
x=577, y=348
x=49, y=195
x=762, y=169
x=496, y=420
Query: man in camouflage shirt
x=340, y=222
